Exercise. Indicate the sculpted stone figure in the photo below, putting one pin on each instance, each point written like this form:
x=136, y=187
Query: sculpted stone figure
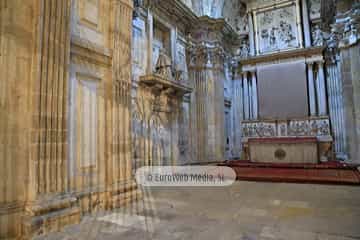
x=163, y=65
x=244, y=50
x=272, y=37
x=318, y=37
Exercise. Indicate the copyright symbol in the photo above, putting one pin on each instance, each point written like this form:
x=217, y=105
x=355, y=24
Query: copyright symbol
x=149, y=177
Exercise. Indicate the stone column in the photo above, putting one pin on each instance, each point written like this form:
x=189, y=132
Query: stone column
x=254, y=96
x=350, y=65
x=311, y=88
x=321, y=90
x=238, y=109
x=348, y=29
x=150, y=36
x=306, y=23
x=50, y=102
x=208, y=103
x=251, y=34
x=43, y=113
x=250, y=97
x=246, y=96
x=336, y=107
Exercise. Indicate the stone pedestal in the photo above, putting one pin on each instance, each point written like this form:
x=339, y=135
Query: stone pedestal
x=305, y=140
x=284, y=150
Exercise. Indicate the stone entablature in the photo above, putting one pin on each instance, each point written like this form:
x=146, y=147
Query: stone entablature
x=310, y=54
x=312, y=57
x=90, y=52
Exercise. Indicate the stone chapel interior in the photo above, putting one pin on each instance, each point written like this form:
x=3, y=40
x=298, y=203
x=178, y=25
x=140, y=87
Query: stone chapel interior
x=92, y=90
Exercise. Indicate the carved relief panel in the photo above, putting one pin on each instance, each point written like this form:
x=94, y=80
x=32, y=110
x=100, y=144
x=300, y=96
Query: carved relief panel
x=89, y=13
x=89, y=22
x=184, y=133
x=181, y=60
x=315, y=127
x=278, y=28
x=86, y=124
x=151, y=131
x=235, y=13
x=314, y=9
x=139, y=48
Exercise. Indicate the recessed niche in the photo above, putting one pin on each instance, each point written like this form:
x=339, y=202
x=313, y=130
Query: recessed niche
x=161, y=39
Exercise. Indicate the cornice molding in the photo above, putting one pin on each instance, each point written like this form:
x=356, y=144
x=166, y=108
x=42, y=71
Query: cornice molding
x=179, y=12
x=306, y=52
x=174, y=9
x=90, y=51
x=128, y=3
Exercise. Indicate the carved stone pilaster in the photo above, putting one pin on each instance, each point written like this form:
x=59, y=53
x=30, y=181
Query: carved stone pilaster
x=120, y=127
x=346, y=29
x=206, y=66
x=48, y=168
x=51, y=82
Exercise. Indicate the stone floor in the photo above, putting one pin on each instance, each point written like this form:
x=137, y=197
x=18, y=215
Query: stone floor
x=244, y=211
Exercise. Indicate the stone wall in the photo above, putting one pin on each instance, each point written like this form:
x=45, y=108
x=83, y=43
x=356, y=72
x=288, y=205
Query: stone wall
x=158, y=117
x=65, y=106
x=76, y=121
x=17, y=51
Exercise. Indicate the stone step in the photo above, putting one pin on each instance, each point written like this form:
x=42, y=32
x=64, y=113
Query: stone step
x=51, y=221
x=124, y=187
x=44, y=206
x=125, y=198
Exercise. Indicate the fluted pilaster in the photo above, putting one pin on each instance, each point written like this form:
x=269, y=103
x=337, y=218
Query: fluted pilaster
x=119, y=167
x=205, y=67
x=50, y=142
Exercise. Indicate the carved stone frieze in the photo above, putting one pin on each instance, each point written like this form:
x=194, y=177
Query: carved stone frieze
x=259, y=129
x=313, y=127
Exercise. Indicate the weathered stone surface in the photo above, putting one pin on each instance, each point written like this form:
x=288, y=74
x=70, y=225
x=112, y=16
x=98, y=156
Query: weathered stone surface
x=79, y=112
x=66, y=67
